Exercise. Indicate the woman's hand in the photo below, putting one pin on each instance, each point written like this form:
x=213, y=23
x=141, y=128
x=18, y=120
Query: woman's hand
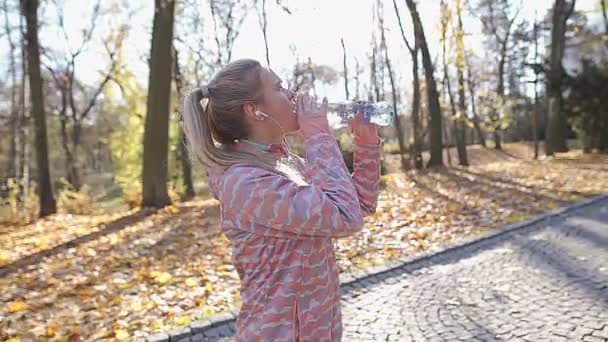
x=364, y=132
x=312, y=119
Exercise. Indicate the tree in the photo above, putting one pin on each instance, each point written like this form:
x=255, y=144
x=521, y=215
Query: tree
x=306, y=74
x=15, y=88
x=45, y=192
x=457, y=118
x=14, y=110
x=498, y=19
x=191, y=40
x=182, y=150
x=156, y=135
x=460, y=65
x=431, y=88
x=555, y=137
x=263, y=20
x=604, y=5
x=345, y=70
x=264, y=25
x=398, y=127
x=416, y=152
x=471, y=81
x=586, y=103
x=78, y=100
x=537, y=69
x=228, y=16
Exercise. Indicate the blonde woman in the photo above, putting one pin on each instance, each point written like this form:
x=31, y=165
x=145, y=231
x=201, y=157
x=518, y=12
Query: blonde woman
x=279, y=210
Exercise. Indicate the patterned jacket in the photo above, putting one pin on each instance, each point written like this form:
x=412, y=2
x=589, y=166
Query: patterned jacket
x=281, y=231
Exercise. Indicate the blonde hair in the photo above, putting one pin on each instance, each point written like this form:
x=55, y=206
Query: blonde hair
x=215, y=113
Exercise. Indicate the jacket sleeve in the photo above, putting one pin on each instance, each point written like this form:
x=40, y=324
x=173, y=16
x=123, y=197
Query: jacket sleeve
x=366, y=174
x=267, y=203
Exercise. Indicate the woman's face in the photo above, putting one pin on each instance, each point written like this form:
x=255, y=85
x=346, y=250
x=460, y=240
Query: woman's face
x=278, y=102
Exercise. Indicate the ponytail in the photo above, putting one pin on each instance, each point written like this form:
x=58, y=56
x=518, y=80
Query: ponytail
x=201, y=134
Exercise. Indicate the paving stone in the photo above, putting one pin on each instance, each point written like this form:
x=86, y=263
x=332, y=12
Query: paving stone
x=160, y=337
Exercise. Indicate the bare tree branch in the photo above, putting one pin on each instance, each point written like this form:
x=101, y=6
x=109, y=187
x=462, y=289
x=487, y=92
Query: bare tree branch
x=409, y=47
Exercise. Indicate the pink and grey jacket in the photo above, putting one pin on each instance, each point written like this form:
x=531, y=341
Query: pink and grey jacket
x=282, y=234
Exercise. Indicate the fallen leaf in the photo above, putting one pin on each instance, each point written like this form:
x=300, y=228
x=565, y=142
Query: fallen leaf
x=17, y=306
x=51, y=329
x=121, y=334
x=163, y=278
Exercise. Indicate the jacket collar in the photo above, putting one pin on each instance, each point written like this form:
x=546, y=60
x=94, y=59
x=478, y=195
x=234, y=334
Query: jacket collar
x=275, y=148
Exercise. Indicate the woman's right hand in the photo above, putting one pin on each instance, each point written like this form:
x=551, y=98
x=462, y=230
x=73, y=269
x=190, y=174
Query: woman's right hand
x=312, y=119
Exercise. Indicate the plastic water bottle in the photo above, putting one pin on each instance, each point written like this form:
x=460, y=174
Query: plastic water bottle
x=339, y=114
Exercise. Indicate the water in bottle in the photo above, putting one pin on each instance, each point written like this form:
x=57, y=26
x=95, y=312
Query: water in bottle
x=339, y=114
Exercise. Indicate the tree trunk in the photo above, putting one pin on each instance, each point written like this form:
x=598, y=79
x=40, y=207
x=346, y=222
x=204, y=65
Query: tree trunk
x=460, y=121
x=415, y=149
x=555, y=138
x=345, y=70
x=313, y=77
x=373, y=72
x=357, y=79
x=23, y=168
x=182, y=150
x=264, y=25
x=471, y=83
x=398, y=127
x=501, y=94
x=431, y=90
x=45, y=191
x=604, y=14
x=536, y=107
x=74, y=176
x=14, y=112
x=448, y=142
x=156, y=135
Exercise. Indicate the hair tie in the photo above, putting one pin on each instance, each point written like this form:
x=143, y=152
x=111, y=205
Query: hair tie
x=205, y=92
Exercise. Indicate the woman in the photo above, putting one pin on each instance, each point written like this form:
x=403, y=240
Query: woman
x=281, y=211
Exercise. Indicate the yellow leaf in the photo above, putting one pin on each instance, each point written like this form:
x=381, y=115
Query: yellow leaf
x=224, y=268
x=207, y=311
x=5, y=257
x=192, y=282
x=51, y=329
x=157, y=326
x=209, y=287
x=121, y=334
x=136, y=305
x=163, y=278
x=125, y=285
x=14, y=339
x=183, y=320
x=171, y=209
x=17, y=306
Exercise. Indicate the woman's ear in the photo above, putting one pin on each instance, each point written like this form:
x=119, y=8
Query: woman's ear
x=249, y=108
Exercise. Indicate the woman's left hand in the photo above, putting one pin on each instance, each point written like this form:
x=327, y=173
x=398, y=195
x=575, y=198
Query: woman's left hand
x=364, y=132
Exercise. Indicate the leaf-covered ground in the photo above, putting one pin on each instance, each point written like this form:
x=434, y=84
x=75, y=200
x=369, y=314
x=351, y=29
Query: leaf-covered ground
x=126, y=275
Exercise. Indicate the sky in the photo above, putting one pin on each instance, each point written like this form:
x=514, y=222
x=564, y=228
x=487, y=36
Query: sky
x=315, y=28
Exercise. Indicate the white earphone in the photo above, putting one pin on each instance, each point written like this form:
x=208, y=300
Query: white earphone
x=260, y=115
